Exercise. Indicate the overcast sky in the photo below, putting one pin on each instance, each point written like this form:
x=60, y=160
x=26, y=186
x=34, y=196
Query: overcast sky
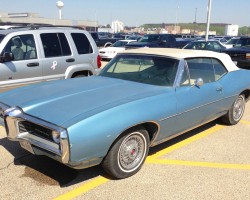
x=137, y=12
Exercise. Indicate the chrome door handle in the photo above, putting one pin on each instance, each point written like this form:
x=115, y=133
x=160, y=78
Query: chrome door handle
x=35, y=64
x=70, y=60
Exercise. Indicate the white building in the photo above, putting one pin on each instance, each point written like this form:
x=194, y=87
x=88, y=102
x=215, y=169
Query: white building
x=231, y=30
x=34, y=18
x=117, y=26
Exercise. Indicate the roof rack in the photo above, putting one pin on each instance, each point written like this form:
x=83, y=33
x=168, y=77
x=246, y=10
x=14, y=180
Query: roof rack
x=35, y=26
x=38, y=26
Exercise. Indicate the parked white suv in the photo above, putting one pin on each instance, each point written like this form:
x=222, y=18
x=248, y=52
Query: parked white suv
x=36, y=54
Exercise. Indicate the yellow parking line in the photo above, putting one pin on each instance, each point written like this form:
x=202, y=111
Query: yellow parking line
x=151, y=159
x=186, y=142
x=82, y=189
x=200, y=164
x=245, y=122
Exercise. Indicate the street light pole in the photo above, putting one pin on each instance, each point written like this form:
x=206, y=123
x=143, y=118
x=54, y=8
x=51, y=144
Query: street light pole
x=208, y=18
x=195, y=20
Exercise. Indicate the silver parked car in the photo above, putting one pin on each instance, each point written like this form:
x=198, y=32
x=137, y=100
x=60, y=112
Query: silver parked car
x=37, y=54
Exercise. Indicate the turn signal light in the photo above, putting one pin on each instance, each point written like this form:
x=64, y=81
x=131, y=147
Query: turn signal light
x=99, y=63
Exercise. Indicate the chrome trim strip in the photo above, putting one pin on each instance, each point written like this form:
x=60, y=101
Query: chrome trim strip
x=180, y=133
x=64, y=146
x=175, y=115
x=42, y=143
x=3, y=107
x=179, y=73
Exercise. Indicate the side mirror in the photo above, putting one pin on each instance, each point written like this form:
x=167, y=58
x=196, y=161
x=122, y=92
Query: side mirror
x=199, y=82
x=7, y=56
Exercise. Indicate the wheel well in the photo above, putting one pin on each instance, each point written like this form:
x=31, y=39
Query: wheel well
x=85, y=73
x=152, y=129
x=107, y=44
x=246, y=94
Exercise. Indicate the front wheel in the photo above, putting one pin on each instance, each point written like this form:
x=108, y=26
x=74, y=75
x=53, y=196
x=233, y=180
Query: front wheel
x=128, y=154
x=236, y=112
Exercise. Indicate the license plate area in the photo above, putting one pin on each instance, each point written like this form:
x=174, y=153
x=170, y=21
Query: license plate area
x=27, y=146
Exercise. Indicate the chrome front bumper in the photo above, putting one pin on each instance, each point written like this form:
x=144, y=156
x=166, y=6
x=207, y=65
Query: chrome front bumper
x=10, y=118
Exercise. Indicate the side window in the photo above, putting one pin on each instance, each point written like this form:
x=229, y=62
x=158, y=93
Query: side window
x=64, y=44
x=201, y=68
x=30, y=48
x=82, y=43
x=165, y=38
x=22, y=47
x=185, y=77
x=55, y=45
x=210, y=46
x=216, y=46
x=219, y=69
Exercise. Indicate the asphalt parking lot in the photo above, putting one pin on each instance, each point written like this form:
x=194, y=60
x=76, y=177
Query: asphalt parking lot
x=211, y=162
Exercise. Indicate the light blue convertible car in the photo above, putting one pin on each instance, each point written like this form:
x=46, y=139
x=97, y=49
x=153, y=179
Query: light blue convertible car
x=140, y=99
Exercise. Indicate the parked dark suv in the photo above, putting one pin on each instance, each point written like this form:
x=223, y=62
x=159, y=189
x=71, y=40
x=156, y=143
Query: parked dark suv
x=158, y=41
x=240, y=53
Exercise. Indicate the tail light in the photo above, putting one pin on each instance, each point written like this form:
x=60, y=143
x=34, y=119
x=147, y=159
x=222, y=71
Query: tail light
x=99, y=63
x=248, y=56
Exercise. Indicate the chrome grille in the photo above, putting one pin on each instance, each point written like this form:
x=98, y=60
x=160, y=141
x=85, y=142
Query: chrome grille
x=35, y=129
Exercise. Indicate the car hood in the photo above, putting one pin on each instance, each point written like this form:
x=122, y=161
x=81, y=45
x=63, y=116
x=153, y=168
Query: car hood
x=61, y=101
x=142, y=44
x=112, y=49
x=239, y=49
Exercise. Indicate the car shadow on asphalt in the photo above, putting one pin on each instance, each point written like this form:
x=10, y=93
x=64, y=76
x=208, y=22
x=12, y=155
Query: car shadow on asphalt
x=182, y=137
x=46, y=171
x=50, y=172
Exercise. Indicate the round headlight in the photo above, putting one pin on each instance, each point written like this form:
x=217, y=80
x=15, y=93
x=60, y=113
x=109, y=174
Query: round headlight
x=56, y=136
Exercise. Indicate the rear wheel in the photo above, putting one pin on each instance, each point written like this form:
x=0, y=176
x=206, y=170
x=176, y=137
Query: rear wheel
x=128, y=154
x=236, y=112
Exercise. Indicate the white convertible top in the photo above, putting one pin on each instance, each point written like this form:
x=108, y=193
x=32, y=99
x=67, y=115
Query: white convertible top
x=187, y=53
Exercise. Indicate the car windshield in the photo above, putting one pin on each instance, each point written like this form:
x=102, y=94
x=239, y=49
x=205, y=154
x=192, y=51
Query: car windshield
x=133, y=37
x=119, y=44
x=150, y=38
x=146, y=69
x=232, y=41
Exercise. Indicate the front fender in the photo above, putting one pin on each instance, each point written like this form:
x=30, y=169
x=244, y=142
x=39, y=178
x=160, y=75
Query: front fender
x=92, y=137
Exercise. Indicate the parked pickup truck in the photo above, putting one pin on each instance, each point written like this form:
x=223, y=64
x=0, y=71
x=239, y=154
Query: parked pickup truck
x=103, y=41
x=158, y=41
x=240, y=53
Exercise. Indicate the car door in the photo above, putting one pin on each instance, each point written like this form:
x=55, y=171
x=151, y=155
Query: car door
x=199, y=104
x=57, y=55
x=20, y=70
